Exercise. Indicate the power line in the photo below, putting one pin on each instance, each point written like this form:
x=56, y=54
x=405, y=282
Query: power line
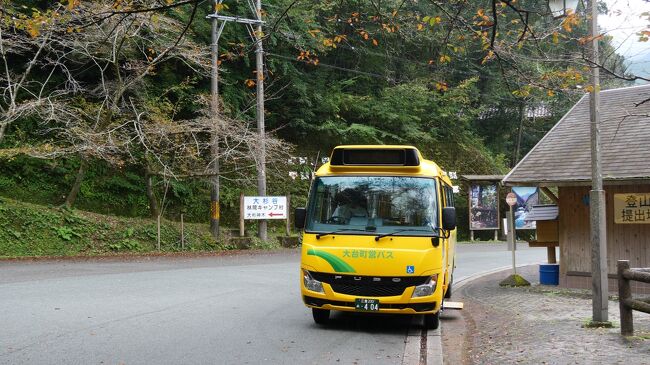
x=374, y=75
x=329, y=66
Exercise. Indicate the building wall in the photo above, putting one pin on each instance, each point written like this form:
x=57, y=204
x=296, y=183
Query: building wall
x=624, y=241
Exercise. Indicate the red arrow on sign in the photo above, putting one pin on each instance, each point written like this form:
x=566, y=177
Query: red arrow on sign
x=275, y=214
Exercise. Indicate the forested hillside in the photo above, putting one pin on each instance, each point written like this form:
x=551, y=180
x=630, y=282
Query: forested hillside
x=105, y=104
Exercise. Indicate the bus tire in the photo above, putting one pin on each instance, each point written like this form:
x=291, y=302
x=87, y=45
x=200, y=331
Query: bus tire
x=432, y=321
x=448, y=292
x=321, y=316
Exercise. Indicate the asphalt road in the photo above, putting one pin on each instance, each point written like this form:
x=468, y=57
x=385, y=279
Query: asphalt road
x=239, y=309
x=475, y=258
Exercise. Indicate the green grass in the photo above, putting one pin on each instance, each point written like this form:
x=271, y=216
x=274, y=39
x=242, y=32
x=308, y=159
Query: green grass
x=28, y=229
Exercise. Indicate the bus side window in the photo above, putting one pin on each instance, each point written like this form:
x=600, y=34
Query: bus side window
x=450, y=196
x=447, y=201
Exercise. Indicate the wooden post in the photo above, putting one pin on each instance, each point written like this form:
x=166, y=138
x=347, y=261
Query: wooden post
x=241, y=215
x=471, y=235
x=158, y=244
x=550, y=255
x=182, y=233
x=496, y=234
x=624, y=294
x=288, y=214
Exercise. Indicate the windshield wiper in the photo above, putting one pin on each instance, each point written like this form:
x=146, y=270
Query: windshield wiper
x=406, y=230
x=318, y=236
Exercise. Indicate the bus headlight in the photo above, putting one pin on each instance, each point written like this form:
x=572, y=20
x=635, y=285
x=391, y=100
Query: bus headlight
x=311, y=283
x=427, y=288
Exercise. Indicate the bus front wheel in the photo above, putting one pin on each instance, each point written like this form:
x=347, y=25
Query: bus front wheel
x=432, y=321
x=321, y=316
x=448, y=293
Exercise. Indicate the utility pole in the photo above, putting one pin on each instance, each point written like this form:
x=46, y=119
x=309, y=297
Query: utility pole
x=214, y=138
x=597, y=203
x=261, y=162
x=257, y=36
x=597, y=212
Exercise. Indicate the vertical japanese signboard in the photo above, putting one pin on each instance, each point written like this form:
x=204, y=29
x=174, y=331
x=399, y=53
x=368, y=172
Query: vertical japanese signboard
x=483, y=207
x=265, y=207
x=632, y=208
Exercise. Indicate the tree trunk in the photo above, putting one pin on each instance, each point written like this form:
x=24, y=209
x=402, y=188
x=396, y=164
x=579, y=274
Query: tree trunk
x=522, y=118
x=72, y=195
x=3, y=127
x=154, y=209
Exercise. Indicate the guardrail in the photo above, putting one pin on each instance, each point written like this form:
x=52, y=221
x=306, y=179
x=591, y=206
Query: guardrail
x=625, y=301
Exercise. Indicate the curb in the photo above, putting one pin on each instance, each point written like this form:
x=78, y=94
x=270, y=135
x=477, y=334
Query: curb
x=468, y=279
x=431, y=353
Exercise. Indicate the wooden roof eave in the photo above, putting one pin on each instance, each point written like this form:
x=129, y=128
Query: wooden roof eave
x=552, y=183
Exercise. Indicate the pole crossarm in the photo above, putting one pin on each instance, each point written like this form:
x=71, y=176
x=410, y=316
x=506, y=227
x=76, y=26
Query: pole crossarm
x=235, y=19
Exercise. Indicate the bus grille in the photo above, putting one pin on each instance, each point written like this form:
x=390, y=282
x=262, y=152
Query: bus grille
x=368, y=291
x=369, y=286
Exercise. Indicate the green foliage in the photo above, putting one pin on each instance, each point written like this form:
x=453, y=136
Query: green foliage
x=126, y=244
x=32, y=230
x=352, y=72
x=66, y=233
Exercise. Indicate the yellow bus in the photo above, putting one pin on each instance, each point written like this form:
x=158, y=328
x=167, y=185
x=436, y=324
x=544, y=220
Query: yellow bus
x=378, y=234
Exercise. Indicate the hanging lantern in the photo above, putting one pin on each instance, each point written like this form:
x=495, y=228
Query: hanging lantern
x=561, y=8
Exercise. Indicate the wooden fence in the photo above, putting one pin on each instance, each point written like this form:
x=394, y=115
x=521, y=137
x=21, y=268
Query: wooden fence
x=625, y=301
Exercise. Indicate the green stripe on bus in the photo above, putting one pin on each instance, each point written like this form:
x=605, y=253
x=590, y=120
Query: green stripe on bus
x=337, y=264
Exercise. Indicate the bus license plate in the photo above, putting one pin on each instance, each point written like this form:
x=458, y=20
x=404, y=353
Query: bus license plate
x=362, y=304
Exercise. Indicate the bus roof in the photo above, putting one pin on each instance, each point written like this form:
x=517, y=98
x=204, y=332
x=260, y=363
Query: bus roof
x=369, y=160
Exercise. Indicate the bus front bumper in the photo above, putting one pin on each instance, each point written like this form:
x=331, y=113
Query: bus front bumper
x=396, y=308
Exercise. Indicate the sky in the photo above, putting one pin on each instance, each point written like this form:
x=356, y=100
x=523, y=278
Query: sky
x=622, y=22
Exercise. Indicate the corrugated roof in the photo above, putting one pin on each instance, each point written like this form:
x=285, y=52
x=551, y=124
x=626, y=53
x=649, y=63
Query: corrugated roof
x=563, y=156
x=542, y=213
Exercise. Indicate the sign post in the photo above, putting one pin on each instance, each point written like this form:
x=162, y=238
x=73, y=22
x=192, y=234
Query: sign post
x=262, y=208
x=511, y=199
x=242, y=231
x=288, y=222
x=265, y=207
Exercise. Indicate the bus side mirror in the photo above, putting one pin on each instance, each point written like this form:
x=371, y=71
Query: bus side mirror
x=449, y=218
x=299, y=217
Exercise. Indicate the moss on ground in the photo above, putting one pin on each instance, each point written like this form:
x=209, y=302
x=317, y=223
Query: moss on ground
x=514, y=280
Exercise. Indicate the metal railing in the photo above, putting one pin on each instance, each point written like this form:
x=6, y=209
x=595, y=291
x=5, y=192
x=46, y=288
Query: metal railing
x=626, y=303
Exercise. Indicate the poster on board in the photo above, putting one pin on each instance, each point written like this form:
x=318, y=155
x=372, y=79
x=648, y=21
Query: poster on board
x=526, y=198
x=483, y=207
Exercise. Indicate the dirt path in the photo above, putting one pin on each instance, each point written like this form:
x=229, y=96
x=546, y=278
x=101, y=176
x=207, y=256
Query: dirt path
x=537, y=325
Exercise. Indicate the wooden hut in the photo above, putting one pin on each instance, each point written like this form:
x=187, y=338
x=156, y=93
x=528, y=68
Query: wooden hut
x=561, y=162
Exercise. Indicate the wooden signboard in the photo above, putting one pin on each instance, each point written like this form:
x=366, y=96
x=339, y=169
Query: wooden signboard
x=632, y=208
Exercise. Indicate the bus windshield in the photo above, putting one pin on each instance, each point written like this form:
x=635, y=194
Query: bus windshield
x=373, y=204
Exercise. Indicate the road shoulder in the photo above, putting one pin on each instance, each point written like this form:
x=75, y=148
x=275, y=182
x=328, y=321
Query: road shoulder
x=539, y=324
